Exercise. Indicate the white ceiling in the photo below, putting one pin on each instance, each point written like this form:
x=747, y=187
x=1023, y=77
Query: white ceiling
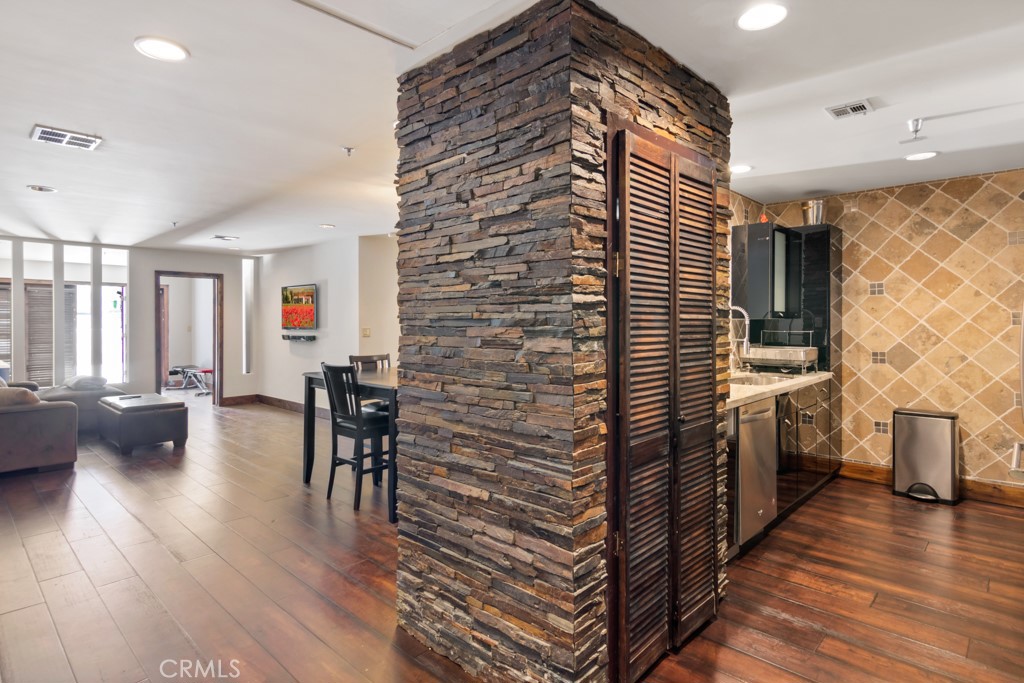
x=246, y=138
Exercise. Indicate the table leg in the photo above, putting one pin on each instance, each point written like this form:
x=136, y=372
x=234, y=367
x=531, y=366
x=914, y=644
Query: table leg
x=393, y=458
x=308, y=417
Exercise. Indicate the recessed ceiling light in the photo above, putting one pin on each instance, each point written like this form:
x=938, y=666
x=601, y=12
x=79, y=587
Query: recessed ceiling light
x=760, y=17
x=741, y=168
x=327, y=226
x=161, y=49
x=224, y=238
x=41, y=188
x=234, y=248
x=920, y=156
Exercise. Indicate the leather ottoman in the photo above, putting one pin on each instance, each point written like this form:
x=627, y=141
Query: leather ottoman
x=141, y=419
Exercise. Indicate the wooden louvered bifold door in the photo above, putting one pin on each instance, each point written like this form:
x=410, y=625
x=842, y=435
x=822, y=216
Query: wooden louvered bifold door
x=666, y=563
x=39, y=334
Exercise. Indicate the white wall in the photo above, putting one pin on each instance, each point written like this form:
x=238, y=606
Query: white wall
x=334, y=268
x=378, y=295
x=202, y=324
x=179, y=320
x=142, y=265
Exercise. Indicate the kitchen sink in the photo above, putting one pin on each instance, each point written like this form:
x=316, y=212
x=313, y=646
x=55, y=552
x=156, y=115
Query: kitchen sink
x=758, y=380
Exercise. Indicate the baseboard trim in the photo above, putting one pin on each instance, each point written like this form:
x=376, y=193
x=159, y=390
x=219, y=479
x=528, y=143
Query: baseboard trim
x=860, y=471
x=239, y=400
x=293, y=406
x=970, y=489
x=992, y=492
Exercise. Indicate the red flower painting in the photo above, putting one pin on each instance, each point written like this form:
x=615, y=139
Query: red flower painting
x=298, y=308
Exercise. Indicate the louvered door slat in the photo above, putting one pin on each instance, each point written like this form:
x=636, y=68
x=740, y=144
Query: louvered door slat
x=39, y=334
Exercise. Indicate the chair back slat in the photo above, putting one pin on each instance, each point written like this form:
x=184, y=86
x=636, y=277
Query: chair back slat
x=380, y=361
x=343, y=392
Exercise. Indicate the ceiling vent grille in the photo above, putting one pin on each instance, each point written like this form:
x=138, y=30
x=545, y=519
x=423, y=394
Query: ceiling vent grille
x=844, y=111
x=65, y=138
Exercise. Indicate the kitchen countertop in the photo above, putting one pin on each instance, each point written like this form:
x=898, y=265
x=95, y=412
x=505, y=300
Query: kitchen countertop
x=741, y=394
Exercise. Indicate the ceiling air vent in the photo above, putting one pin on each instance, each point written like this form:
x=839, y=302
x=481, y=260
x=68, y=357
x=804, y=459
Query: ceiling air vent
x=843, y=111
x=66, y=138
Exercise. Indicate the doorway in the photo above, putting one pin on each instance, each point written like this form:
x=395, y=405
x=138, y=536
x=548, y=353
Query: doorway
x=189, y=334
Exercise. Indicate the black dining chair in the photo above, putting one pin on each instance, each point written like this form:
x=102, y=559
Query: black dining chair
x=351, y=419
x=380, y=361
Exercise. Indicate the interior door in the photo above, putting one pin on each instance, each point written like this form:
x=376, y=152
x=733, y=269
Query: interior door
x=666, y=459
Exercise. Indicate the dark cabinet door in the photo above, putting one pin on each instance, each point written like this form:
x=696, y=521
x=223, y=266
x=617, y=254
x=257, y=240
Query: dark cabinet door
x=666, y=321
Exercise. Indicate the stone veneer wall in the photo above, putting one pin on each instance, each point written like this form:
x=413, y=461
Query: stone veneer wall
x=502, y=304
x=941, y=328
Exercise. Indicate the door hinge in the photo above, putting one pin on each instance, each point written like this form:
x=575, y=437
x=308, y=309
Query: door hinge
x=616, y=543
x=617, y=264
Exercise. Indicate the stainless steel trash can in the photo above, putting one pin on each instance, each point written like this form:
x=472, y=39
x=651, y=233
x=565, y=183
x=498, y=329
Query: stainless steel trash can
x=926, y=455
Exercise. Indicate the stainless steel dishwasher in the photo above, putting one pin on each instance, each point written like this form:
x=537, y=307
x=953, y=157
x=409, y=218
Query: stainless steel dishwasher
x=753, y=426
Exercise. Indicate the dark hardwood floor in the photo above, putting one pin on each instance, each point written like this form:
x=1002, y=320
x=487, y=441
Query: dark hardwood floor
x=130, y=568
x=861, y=585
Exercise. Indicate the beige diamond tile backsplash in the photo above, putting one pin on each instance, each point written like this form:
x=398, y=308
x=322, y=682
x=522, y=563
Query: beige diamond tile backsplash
x=946, y=262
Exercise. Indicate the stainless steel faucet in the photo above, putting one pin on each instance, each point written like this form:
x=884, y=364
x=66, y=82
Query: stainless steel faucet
x=746, y=332
x=746, y=328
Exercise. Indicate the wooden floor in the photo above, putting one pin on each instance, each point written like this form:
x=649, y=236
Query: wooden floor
x=218, y=555
x=861, y=585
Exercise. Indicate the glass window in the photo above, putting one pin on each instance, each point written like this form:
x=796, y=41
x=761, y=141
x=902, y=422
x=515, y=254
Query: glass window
x=114, y=321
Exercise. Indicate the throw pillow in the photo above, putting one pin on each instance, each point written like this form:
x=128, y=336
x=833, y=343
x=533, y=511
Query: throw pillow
x=3, y=384
x=17, y=396
x=85, y=383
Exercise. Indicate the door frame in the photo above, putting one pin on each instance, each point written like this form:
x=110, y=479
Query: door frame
x=218, y=328
x=618, y=665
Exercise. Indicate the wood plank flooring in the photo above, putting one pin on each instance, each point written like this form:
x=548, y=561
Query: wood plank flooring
x=219, y=555
x=861, y=585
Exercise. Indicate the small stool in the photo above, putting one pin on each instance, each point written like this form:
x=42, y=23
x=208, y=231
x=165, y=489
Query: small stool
x=140, y=419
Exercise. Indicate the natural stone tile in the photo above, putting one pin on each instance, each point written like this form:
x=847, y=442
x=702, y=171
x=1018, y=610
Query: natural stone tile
x=990, y=239
x=902, y=392
x=946, y=358
x=947, y=395
x=993, y=279
x=962, y=189
x=971, y=377
x=901, y=357
x=989, y=201
x=898, y=285
x=964, y=224
x=941, y=245
x=878, y=338
x=923, y=376
x=942, y=283
x=966, y=262
x=899, y=322
x=992, y=318
x=918, y=229
x=997, y=398
x=944, y=320
x=914, y=196
x=896, y=250
x=877, y=307
x=969, y=338
x=874, y=235
x=996, y=358
x=918, y=266
x=939, y=208
x=1011, y=217
x=1010, y=181
x=875, y=269
x=967, y=299
x=870, y=203
x=879, y=375
x=975, y=457
x=919, y=303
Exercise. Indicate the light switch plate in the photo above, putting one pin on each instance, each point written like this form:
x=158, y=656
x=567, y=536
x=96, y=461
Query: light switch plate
x=366, y=331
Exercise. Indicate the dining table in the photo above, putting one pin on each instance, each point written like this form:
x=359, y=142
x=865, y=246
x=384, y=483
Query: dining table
x=373, y=383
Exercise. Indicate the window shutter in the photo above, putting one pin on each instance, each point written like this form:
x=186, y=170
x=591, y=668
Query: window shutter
x=39, y=334
x=5, y=323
